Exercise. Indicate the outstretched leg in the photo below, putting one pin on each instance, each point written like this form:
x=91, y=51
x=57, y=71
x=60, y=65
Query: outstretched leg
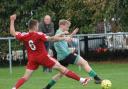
x=66, y=72
x=22, y=80
x=84, y=64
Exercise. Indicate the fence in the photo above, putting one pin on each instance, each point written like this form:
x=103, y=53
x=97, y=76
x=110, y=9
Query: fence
x=84, y=43
x=9, y=50
x=104, y=46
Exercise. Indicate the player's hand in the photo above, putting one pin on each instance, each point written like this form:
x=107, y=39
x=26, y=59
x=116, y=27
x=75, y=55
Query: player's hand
x=68, y=39
x=13, y=17
x=75, y=31
x=66, y=32
x=59, y=35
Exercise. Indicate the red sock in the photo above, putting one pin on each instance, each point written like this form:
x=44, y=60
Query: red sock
x=20, y=82
x=72, y=75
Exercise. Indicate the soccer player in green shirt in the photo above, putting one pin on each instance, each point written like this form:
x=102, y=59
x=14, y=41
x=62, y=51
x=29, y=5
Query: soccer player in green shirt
x=66, y=57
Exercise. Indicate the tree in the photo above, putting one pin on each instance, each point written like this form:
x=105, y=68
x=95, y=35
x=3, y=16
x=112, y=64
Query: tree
x=84, y=14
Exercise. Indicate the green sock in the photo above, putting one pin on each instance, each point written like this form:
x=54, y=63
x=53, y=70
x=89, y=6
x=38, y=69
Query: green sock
x=92, y=73
x=50, y=84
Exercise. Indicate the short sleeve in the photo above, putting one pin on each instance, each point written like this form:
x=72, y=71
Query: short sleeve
x=43, y=36
x=20, y=36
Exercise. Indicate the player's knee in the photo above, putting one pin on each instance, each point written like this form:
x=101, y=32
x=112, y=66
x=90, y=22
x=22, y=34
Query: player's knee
x=61, y=68
x=26, y=77
x=64, y=71
x=57, y=65
x=84, y=63
x=61, y=75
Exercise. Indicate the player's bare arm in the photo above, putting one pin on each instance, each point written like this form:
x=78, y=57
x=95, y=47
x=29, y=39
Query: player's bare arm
x=56, y=37
x=69, y=37
x=74, y=32
x=12, y=22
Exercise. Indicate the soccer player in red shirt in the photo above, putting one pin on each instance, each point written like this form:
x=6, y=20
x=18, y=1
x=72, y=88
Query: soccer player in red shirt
x=37, y=54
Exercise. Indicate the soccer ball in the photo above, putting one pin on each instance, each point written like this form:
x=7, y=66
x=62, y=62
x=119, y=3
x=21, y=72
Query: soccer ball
x=106, y=84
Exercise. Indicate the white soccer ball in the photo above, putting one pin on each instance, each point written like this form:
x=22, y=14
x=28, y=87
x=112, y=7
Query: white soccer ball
x=106, y=84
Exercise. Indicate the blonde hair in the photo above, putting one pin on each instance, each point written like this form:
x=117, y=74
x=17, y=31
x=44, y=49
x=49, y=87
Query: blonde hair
x=64, y=22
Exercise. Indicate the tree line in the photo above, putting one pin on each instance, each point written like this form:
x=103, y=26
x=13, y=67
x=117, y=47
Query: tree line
x=84, y=14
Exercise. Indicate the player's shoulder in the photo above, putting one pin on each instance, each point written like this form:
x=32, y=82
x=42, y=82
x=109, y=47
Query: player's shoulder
x=40, y=33
x=22, y=33
x=58, y=31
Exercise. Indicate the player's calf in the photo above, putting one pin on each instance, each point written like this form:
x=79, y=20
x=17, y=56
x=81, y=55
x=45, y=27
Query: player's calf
x=69, y=73
x=83, y=63
x=22, y=80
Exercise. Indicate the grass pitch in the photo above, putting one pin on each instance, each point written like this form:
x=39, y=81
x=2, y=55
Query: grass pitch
x=117, y=73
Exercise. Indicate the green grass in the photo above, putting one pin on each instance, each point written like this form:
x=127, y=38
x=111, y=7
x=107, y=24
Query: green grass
x=117, y=73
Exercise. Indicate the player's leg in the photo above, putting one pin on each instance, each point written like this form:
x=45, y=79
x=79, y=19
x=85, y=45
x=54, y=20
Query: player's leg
x=83, y=63
x=47, y=46
x=70, y=74
x=56, y=77
x=70, y=59
x=52, y=63
x=52, y=82
x=31, y=66
x=22, y=80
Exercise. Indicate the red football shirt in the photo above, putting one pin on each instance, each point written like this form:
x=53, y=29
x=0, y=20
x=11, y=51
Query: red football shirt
x=34, y=42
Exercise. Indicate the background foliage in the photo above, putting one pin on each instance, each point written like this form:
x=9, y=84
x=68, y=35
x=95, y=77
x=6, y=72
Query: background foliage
x=84, y=14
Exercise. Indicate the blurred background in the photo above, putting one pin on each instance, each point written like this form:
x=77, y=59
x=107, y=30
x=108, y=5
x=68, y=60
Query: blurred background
x=102, y=23
x=102, y=39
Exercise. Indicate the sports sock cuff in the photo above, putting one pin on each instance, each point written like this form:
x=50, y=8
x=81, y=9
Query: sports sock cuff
x=92, y=73
x=52, y=82
x=82, y=80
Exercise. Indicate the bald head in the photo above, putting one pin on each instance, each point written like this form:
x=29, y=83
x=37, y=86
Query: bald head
x=47, y=19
